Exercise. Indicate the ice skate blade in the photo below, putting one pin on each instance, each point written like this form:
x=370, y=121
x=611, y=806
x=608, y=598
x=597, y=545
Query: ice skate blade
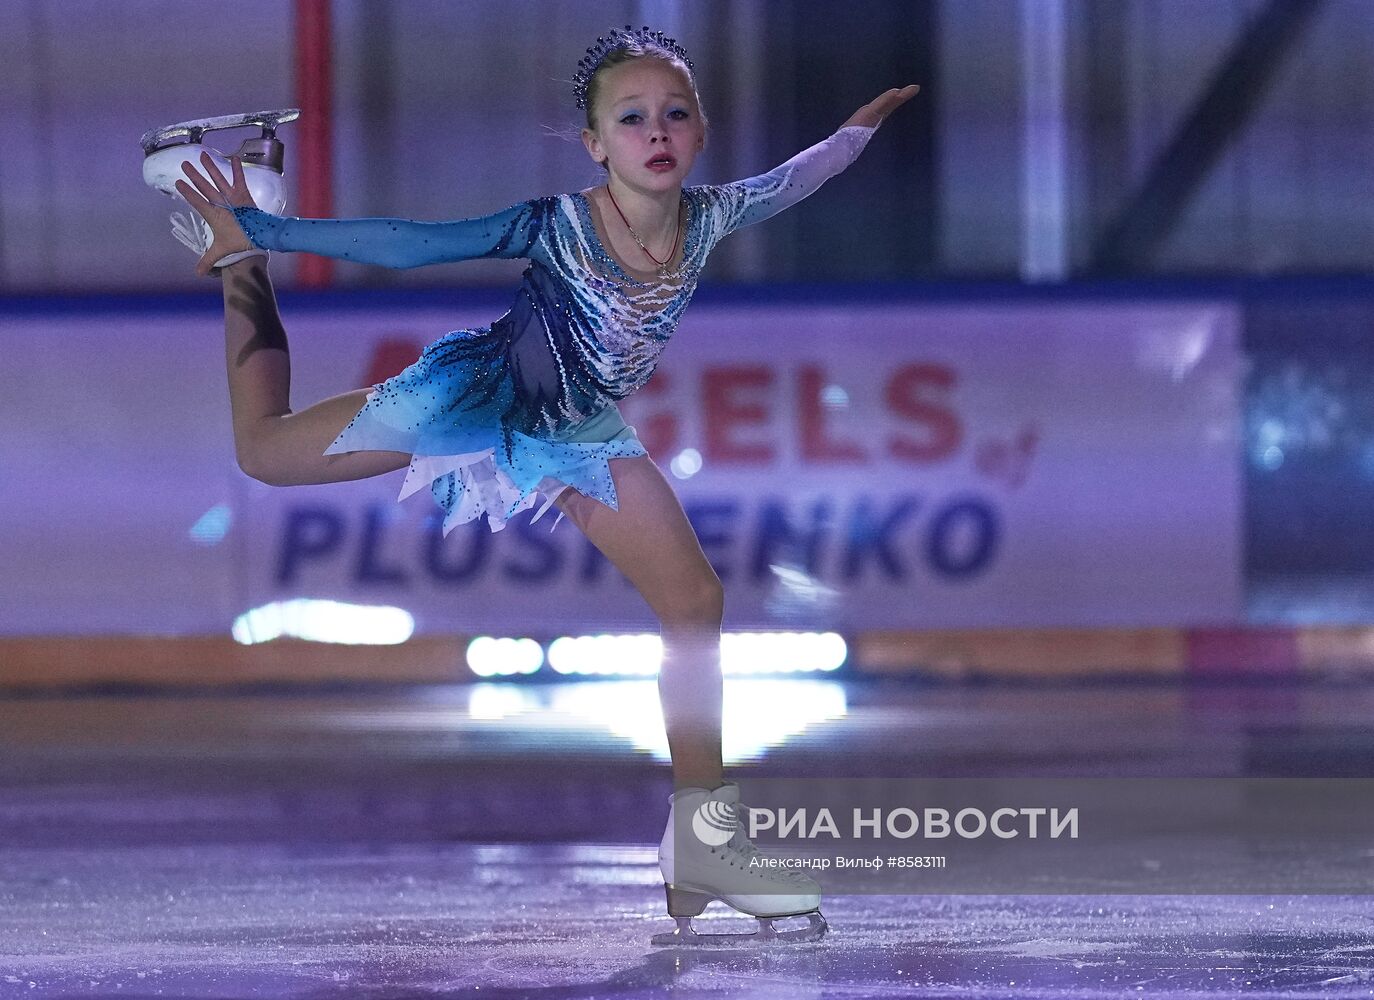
x=192, y=131
x=684, y=936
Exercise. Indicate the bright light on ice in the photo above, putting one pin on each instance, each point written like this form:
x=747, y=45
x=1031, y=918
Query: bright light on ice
x=759, y=713
x=493, y=702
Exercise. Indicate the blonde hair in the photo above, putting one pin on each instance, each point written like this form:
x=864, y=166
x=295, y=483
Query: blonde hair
x=629, y=52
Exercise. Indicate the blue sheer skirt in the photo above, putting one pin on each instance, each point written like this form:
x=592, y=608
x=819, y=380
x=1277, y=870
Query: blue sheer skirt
x=449, y=411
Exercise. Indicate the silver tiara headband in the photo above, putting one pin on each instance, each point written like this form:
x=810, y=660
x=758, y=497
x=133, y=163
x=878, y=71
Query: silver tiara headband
x=605, y=45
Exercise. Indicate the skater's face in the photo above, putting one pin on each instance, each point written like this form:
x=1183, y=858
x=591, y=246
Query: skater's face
x=645, y=108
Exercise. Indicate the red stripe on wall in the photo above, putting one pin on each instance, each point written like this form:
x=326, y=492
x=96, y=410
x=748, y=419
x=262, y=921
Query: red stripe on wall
x=314, y=85
x=1234, y=651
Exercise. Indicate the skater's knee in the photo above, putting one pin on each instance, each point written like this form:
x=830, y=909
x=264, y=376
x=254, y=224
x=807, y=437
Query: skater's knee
x=701, y=602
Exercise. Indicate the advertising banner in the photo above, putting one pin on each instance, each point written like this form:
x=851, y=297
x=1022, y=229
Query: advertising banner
x=845, y=466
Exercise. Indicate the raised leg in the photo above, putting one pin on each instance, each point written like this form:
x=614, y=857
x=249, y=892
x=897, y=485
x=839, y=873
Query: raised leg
x=650, y=540
x=273, y=444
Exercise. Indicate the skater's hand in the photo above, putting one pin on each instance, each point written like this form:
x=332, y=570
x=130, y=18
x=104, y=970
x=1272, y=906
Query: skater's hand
x=210, y=197
x=873, y=113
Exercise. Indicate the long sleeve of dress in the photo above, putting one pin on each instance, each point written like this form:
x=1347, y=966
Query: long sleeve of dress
x=743, y=203
x=399, y=243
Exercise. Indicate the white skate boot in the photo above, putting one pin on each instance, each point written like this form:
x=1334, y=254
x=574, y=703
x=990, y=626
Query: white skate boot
x=166, y=149
x=712, y=862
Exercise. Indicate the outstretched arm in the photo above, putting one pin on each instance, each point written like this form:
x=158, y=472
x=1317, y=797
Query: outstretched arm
x=395, y=242
x=757, y=198
x=871, y=115
x=228, y=207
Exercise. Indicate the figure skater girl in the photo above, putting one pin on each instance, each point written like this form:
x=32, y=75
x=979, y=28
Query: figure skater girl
x=490, y=417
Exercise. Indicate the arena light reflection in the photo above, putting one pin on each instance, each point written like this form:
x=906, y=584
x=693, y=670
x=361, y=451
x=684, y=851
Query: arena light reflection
x=606, y=655
x=324, y=621
x=741, y=653
x=781, y=652
x=212, y=526
x=759, y=714
x=686, y=463
x=490, y=656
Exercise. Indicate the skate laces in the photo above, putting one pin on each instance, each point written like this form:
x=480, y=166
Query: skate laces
x=191, y=231
x=746, y=850
x=190, y=228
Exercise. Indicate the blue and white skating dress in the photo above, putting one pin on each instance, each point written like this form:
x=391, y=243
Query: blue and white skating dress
x=496, y=414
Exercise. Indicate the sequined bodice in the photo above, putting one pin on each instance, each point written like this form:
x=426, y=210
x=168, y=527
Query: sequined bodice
x=619, y=323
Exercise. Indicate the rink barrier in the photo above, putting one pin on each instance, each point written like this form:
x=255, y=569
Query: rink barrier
x=1049, y=654
x=1042, y=655
x=213, y=661
x=1063, y=654
x=1327, y=652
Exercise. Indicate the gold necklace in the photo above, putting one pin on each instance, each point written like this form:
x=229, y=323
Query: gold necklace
x=662, y=264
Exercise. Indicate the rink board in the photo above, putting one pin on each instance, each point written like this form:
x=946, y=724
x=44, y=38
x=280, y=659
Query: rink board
x=850, y=466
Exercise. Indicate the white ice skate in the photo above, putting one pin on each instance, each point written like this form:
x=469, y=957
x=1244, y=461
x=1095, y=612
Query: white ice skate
x=166, y=149
x=696, y=872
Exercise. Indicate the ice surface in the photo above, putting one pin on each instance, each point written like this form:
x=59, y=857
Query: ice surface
x=549, y=920
x=237, y=846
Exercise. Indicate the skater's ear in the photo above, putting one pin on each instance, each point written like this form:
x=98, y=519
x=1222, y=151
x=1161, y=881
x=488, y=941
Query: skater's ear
x=593, y=144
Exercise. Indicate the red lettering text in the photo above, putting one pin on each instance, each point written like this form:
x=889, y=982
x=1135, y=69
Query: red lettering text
x=908, y=394
x=725, y=412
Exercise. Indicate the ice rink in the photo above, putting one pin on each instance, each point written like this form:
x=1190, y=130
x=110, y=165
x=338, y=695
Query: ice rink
x=482, y=841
